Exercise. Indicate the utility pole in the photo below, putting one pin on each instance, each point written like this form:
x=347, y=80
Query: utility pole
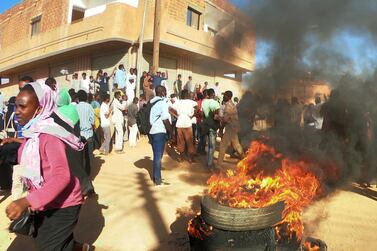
x=140, y=50
x=156, y=36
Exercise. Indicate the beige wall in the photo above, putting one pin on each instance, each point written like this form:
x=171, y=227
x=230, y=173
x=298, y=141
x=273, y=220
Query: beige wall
x=58, y=39
x=24, y=54
x=16, y=24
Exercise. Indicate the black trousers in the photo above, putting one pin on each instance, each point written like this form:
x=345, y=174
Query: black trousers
x=55, y=229
x=6, y=172
x=88, y=155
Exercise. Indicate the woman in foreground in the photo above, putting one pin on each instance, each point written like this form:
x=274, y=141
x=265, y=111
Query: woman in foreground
x=53, y=193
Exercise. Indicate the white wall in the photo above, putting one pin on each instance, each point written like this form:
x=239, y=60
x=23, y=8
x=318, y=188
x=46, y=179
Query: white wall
x=94, y=7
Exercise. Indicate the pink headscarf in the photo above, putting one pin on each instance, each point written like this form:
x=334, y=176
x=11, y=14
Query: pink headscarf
x=42, y=123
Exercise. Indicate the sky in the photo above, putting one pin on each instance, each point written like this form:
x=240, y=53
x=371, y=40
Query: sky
x=6, y=4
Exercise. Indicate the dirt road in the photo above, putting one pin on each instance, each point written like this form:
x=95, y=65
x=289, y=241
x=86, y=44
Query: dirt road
x=131, y=214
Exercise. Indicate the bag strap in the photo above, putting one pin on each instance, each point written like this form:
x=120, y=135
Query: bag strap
x=10, y=121
x=158, y=117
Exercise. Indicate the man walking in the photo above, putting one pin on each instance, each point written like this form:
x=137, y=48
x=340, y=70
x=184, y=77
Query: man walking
x=159, y=120
x=230, y=120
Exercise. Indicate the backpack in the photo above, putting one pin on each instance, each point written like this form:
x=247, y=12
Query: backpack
x=209, y=123
x=142, y=118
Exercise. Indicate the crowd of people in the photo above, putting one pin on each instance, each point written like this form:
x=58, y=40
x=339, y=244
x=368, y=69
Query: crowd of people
x=49, y=135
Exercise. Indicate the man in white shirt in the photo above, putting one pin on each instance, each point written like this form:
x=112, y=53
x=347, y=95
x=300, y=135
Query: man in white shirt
x=84, y=83
x=118, y=120
x=185, y=109
x=217, y=89
x=159, y=120
x=131, y=86
x=74, y=81
x=92, y=85
x=105, y=112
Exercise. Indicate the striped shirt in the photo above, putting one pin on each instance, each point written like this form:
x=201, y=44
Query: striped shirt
x=87, y=119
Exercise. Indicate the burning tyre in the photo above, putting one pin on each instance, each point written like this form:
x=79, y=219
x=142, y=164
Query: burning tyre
x=240, y=219
x=258, y=205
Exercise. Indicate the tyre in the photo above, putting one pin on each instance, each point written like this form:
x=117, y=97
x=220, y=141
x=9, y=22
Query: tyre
x=240, y=219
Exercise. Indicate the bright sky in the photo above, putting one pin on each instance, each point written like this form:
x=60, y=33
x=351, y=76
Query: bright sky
x=6, y=4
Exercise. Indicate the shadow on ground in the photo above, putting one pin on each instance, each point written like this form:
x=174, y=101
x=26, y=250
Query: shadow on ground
x=178, y=238
x=147, y=164
x=152, y=208
x=96, y=168
x=91, y=221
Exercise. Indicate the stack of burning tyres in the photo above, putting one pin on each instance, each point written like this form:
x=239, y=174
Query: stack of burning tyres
x=259, y=206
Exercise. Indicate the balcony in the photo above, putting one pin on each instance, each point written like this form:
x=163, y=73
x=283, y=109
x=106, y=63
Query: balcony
x=119, y=22
x=92, y=30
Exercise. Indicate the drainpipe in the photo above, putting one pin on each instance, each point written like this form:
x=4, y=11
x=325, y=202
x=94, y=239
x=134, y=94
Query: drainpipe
x=139, y=62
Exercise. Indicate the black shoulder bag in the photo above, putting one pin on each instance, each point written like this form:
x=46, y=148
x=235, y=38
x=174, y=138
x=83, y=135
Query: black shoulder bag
x=25, y=225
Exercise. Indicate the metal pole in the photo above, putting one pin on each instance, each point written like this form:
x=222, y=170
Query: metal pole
x=140, y=51
x=156, y=36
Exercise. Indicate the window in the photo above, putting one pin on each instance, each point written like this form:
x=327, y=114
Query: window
x=193, y=18
x=212, y=32
x=78, y=14
x=36, y=25
x=4, y=80
x=230, y=75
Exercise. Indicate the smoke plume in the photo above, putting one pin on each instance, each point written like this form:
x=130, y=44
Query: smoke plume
x=310, y=40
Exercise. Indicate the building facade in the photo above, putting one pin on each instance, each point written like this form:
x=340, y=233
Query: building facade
x=209, y=40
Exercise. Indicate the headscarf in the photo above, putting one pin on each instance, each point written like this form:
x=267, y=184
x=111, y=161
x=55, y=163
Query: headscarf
x=42, y=123
x=65, y=107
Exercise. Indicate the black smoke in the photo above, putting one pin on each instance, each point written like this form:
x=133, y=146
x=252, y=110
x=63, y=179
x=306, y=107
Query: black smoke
x=305, y=43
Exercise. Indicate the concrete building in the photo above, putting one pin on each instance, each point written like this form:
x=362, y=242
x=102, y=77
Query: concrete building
x=210, y=40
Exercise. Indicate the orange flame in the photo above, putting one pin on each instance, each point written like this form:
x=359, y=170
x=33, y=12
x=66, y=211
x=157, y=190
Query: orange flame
x=251, y=186
x=311, y=247
x=198, y=228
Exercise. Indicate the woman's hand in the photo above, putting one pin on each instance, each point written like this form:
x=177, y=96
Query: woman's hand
x=6, y=141
x=10, y=140
x=15, y=209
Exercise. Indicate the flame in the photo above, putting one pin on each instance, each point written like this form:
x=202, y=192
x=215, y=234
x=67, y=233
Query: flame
x=253, y=186
x=311, y=247
x=198, y=229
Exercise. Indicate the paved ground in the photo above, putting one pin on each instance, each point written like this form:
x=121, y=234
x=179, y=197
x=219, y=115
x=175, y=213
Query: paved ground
x=131, y=214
